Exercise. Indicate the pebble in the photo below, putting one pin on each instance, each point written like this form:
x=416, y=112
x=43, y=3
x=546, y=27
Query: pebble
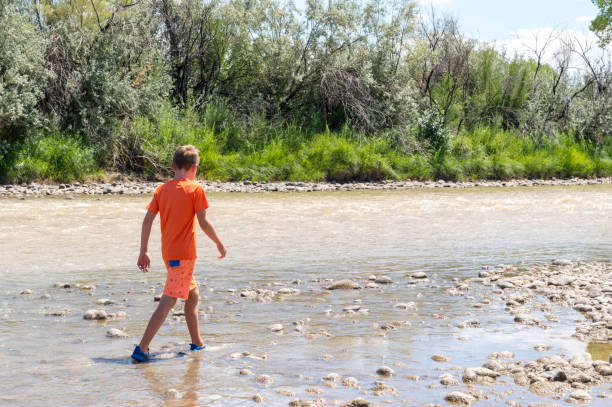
x=405, y=305
x=258, y=398
x=116, y=333
x=105, y=301
x=26, y=291
x=385, y=371
x=440, y=358
x=383, y=280
x=350, y=382
x=275, y=327
x=343, y=285
x=332, y=377
x=97, y=314
x=419, y=275
x=460, y=398
x=358, y=402
x=264, y=380
x=579, y=396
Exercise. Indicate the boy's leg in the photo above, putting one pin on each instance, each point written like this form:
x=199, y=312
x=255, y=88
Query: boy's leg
x=157, y=319
x=191, y=316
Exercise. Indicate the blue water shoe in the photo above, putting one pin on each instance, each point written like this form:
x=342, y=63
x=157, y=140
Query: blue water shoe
x=195, y=347
x=139, y=355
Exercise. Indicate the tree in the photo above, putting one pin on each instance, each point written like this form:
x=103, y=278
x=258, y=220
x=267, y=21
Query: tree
x=602, y=25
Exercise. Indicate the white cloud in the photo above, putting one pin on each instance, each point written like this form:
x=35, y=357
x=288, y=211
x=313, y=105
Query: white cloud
x=584, y=19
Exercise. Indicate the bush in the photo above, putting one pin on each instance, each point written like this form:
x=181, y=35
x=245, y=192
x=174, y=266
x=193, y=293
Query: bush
x=431, y=130
x=52, y=157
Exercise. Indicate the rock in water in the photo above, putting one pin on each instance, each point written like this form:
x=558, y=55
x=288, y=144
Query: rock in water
x=418, y=275
x=26, y=291
x=343, y=285
x=358, y=402
x=116, y=333
x=275, y=327
x=98, y=314
x=383, y=280
x=440, y=358
x=385, y=371
x=458, y=397
x=105, y=301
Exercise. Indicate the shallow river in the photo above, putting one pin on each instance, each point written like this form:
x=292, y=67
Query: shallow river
x=274, y=241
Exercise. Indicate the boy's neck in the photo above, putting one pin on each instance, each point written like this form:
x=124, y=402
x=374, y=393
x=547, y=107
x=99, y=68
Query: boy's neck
x=181, y=174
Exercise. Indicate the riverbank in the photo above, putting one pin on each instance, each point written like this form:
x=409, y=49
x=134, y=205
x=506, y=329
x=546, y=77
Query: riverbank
x=34, y=190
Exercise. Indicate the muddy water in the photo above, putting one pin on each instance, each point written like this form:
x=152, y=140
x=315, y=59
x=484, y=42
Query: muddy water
x=275, y=241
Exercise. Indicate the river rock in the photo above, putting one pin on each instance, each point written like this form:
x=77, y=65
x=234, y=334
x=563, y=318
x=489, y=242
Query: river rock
x=458, y=397
x=116, y=333
x=405, y=305
x=419, y=275
x=343, y=285
x=561, y=262
x=26, y=291
x=88, y=287
x=95, y=314
x=560, y=281
x=332, y=377
x=493, y=365
x=246, y=372
x=358, y=402
x=105, y=301
x=440, y=358
x=60, y=313
x=264, y=380
x=382, y=389
x=604, y=369
x=45, y=296
x=448, y=379
x=579, y=396
x=526, y=319
x=350, y=382
x=385, y=371
x=258, y=398
x=581, y=360
x=383, y=280
x=275, y=327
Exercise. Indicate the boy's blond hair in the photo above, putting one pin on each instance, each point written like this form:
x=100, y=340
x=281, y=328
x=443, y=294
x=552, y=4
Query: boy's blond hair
x=185, y=157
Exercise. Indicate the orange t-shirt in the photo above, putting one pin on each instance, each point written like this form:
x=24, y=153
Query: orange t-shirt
x=178, y=202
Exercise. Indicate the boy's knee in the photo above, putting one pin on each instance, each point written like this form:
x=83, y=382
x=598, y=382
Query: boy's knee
x=194, y=296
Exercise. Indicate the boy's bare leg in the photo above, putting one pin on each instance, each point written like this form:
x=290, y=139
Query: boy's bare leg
x=191, y=316
x=157, y=319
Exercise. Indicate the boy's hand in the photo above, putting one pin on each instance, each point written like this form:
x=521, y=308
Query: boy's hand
x=222, y=250
x=144, y=261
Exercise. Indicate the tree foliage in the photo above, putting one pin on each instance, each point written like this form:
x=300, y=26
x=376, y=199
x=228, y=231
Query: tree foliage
x=602, y=24
x=381, y=68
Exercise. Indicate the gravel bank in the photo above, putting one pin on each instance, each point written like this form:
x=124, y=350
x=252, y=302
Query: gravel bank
x=32, y=190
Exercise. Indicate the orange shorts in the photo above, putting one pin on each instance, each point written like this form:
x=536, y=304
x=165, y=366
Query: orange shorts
x=180, y=278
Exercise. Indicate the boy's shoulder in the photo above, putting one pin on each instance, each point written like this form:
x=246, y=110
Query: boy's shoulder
x=185, y=185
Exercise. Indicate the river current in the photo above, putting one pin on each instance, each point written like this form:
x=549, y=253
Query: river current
x=278, y=240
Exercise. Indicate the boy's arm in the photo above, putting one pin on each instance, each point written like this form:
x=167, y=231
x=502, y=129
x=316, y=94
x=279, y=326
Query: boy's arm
x=144, y=261
x=210, y=231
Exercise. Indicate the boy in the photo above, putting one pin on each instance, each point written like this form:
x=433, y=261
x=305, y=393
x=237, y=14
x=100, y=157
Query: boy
x=179, y=201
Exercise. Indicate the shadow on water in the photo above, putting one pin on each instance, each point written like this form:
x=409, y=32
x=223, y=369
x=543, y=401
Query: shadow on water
x=155, y=357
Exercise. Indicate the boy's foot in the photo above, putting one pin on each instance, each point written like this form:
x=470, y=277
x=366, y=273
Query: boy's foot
x=139, y=355
x=195, y=347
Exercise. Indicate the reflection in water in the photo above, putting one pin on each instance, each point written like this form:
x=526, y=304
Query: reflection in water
x=600, y=351
x=295, y=241
x=161, y=381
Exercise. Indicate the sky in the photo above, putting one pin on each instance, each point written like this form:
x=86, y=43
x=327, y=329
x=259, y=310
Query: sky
x=520, y=26
x=503, y=20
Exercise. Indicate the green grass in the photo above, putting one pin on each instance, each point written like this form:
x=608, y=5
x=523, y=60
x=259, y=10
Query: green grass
x=52, y=158
x=290, y=153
